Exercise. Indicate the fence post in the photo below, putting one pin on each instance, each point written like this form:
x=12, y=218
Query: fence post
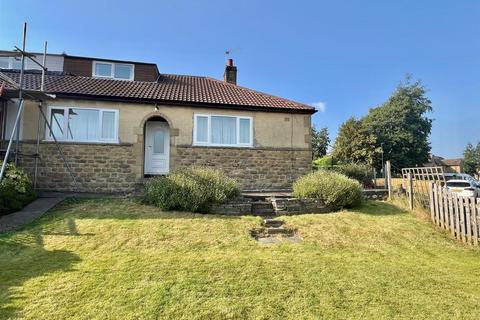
x=432, y=201
x=388, y=175
x=410, y=191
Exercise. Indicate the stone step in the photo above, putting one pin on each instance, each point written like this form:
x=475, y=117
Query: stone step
x=262, y=208
x=277, y=230
x=272, y=223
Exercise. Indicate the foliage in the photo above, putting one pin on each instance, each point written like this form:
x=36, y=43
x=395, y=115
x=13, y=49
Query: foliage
x=355, y=144
x=320, y=142
x=324, y=162
x=335, y=189
x=360, y=172
x=16, y=189
x=471, y=159
x=402, y=126
x=191, y=189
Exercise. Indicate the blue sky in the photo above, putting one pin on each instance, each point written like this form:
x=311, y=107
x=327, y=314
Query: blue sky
x=347, y=56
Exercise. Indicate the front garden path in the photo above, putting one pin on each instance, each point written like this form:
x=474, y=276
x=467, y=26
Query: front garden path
x=32, y=211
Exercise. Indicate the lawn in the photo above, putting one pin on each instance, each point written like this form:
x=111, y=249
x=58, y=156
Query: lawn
x=117, y=259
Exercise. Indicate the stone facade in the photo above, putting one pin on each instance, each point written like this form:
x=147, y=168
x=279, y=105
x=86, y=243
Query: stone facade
x=99, y=168
x=118, y=168
x=252, y=168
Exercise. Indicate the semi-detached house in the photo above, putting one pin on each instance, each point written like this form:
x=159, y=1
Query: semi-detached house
x=119, y=122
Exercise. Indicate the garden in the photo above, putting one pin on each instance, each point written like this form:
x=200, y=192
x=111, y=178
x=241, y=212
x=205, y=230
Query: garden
x=156, y=258
x=119, y=258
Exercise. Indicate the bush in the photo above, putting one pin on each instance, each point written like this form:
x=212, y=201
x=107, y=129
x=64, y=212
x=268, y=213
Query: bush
x=359, y=172
x=192, y=189
x=16, y=190
x=323, y=162
x=335, y=189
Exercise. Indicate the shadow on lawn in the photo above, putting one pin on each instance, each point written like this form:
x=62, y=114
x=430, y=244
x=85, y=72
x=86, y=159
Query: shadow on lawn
x=379, y=208
x=23, y=257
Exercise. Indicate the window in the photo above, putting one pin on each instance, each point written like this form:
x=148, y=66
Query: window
x=113, y=70
x=219, y=130
x=83, y=125
x=4, y=63
x=103, y=69
x=10, y=63
x=123, y=71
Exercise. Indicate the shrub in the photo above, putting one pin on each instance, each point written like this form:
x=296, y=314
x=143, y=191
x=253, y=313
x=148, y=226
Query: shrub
x=16, y=189
x=323, y=162
x=361, y=173
x=335, y=189
x=192, y=189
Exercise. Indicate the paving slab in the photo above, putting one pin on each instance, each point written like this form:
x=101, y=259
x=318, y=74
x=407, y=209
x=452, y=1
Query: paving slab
x=32, y=211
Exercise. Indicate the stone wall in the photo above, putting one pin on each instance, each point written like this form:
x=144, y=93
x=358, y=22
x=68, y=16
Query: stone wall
x=254, y=169
x=277, y=207
x=113, y=168
x=99, y=168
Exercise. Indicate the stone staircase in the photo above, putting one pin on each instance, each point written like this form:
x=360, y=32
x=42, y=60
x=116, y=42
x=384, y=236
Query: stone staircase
x=275, y=227
x=263, y=208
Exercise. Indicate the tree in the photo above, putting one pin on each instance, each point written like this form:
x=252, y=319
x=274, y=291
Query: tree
x=320, y=142
x=354, y=144
x=471, y=159
x=402, y=126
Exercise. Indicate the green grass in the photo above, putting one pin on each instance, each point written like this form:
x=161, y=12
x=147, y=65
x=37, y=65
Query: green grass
x=117, y=259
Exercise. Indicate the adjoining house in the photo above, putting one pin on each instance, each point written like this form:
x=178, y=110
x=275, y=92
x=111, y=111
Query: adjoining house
x=119, y=122
x=448, y=165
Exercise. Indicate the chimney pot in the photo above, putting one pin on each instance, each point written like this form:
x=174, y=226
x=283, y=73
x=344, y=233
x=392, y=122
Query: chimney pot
x=230, y=62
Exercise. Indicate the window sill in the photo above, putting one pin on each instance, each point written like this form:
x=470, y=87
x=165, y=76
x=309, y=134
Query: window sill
x=222, y=146
x=105, y=143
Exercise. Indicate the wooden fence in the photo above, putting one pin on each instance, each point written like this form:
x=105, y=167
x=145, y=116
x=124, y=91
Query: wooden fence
x=459, y=215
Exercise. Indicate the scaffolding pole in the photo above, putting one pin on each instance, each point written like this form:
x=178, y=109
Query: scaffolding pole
x=60, y=151
x=20, y=92
x=12, y=137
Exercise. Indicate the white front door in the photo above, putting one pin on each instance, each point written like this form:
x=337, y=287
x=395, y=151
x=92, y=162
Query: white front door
x=157, y=148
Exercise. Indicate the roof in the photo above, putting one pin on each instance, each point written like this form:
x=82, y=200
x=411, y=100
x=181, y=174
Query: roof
x=14, y=53
x=452, y=162
x=108, y=60
x=169, y=89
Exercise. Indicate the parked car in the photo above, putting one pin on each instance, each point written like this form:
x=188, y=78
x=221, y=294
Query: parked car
x=463, y=188
x=459, y=176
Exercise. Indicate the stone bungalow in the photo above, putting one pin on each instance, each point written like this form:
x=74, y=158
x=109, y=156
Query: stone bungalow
x=119, y=122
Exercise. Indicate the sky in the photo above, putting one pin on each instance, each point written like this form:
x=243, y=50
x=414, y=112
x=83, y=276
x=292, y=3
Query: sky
x=344, y=57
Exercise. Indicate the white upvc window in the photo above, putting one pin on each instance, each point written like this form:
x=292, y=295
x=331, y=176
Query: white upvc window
x=10, y=63
x=110, y=70
x=222, y=130
x=83, y=124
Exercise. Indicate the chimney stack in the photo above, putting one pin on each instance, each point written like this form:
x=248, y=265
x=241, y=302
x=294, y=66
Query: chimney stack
x=230, y=74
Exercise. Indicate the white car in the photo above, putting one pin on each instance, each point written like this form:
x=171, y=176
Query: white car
x=463, y=188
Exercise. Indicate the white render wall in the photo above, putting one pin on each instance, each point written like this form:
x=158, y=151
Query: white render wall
x=54, y=62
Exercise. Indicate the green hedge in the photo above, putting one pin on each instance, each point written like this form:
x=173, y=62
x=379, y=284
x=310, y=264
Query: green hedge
x=16, y=190
x=323, y=162
x=335, y=189
x=190, y=189
x=361, y=173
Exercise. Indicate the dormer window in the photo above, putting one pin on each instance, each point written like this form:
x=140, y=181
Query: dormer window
x=121, y=71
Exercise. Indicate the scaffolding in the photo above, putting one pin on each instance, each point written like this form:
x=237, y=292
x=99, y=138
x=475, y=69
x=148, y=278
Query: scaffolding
x=16, y=91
